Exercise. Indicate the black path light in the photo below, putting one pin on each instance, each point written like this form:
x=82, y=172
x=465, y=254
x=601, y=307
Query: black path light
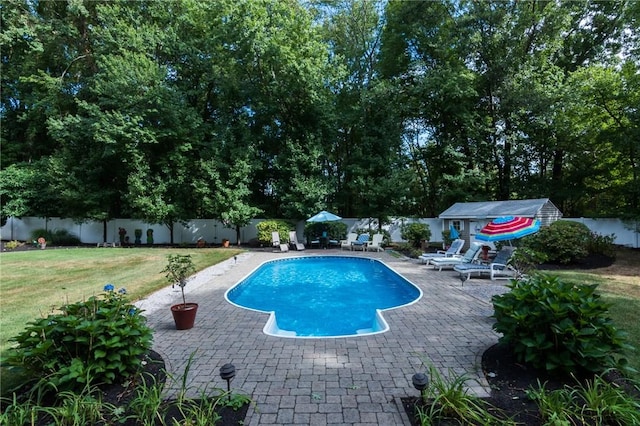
x=420, y=382
x=463, y=278
x=228, y=372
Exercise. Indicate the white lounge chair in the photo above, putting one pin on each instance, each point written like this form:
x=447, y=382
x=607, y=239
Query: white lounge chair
x=499, y=268
x=277, y=245
x=293, y=241
x=449, y=262
x=375, y=242
x=454, y=249
x=346, y=244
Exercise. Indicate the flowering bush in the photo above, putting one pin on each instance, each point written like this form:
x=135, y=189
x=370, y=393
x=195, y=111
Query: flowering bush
x=99, y=340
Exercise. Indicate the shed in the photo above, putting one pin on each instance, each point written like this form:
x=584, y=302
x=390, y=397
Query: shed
x=469, y=218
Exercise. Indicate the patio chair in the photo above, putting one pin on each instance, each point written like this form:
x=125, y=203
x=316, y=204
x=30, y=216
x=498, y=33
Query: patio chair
x=449, y=262
x=351, y=237
x=324, y=241
x=360, y=242
x=375, y=242
x=454, y=249
x=497, y=269
x=293, y=241
x=277, y=245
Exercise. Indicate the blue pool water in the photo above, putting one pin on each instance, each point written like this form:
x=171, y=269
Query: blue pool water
x=323, y=296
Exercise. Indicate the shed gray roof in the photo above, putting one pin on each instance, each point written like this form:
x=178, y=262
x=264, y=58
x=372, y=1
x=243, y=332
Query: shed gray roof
x=493, y=209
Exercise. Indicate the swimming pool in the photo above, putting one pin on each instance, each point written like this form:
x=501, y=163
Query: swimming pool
x=323, y=296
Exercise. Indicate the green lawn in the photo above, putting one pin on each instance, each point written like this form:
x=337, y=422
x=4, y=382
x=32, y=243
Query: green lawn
x=35, y=282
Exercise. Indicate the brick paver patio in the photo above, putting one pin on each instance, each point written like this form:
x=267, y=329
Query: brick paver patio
x=338, y=381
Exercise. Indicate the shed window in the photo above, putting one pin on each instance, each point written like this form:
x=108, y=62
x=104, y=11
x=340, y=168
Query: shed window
x=458, y=225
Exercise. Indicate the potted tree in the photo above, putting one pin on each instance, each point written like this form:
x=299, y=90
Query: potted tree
x=179, y=268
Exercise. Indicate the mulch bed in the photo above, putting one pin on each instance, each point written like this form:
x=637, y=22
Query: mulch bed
x=153, y=371
x=509, y=380
x=592, y=261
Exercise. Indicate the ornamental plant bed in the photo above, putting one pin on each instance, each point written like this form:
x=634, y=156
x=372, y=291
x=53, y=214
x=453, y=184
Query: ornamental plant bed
x=509, y=381
x=90, y=363
x=120, y=396
x=172, y=411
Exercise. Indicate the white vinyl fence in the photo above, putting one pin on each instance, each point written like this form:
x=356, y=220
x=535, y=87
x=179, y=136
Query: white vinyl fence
x=212, y=231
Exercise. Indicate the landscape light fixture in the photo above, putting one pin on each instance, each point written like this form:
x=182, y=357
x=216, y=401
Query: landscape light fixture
x=463, y=278
x=228, y=372
x=420, y=382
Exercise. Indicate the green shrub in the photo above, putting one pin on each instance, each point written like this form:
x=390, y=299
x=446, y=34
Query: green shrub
x=415, y=233
x=557, y=326
x=562, y=242
x=62, y=237
x=446, y=237
x=268, y=226
x=602, y=244
x=99, y=340
x=45, y=233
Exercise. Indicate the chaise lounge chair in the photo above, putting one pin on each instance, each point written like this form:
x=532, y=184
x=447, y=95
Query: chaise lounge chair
x=346, y=244
x=498, y=268
x=293, y=241
x=360, y=242
x=277, y=245
x=449, y=262
x=375, y=242
x=453, y=250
